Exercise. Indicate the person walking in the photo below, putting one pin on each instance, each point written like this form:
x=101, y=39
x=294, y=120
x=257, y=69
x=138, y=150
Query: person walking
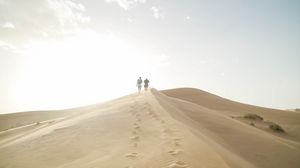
x=146, y=84
x=139, y=84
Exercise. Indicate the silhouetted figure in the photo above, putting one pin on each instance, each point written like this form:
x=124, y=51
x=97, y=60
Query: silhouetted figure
x=146, y=84
x=139, y=84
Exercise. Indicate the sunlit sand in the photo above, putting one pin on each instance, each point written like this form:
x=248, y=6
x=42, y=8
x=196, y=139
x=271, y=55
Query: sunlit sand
x=179, y=128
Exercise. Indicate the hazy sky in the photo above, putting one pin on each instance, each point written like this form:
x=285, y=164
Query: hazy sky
x=65, y=53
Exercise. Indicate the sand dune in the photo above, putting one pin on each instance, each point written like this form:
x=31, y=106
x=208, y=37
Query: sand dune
x=179, y=128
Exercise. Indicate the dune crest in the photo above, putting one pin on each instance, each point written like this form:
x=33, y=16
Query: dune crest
x=179, y=128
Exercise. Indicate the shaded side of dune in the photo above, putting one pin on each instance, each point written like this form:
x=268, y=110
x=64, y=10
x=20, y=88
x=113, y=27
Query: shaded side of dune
x=237, y=142
x=228, y=107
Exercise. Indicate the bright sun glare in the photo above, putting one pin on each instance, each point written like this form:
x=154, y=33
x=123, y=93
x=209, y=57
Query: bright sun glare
x=83, y=69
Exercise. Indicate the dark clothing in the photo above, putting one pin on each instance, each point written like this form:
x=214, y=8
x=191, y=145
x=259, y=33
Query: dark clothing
x=146, y=83
x=139, y=84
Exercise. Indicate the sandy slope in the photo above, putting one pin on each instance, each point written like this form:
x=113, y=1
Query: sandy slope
x=151, y=130
x=289, y=120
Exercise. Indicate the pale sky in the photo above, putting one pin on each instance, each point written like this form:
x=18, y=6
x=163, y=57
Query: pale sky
x=66, y=53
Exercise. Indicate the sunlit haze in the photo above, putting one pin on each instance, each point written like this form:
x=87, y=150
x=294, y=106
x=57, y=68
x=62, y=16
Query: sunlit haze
x=57, y=54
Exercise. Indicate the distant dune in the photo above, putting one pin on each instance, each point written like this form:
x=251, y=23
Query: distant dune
x=177, y=128
x=295, y=110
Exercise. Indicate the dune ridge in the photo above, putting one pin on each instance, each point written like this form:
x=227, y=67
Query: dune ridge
x=178, y=128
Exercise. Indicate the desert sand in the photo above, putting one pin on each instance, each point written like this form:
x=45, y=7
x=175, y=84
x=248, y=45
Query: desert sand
x=178, y=128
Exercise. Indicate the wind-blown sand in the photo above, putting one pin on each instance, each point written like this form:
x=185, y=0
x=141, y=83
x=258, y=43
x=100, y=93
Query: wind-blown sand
x=179, y=128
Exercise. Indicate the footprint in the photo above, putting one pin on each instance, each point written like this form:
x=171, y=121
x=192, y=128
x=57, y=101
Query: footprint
x=174, y=152
x=166, y=130
x=136, y=127
x=177, y=138
x=135, y=145
x=176, y=143
x=135, y=138
x=153, y=114
x=155, y=117
x=178, y=164
x=132, y=155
